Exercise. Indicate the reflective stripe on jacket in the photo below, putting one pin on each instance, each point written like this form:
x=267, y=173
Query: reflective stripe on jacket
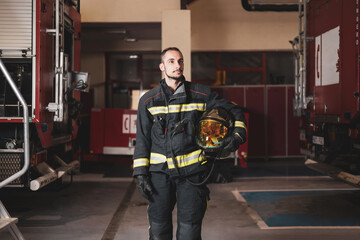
x=159, y=112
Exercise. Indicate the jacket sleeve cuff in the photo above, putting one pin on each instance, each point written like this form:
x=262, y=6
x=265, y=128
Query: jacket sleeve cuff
x=240, y=133
x=140, y=171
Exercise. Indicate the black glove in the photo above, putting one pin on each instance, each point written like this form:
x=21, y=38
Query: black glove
x=144, y=186
x=233, y=142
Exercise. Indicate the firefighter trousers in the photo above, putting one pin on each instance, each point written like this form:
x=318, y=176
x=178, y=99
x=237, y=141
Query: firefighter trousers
x=191, y=206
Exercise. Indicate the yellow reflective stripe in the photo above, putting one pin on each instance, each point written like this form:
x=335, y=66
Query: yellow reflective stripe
x=182, y=160
x=174, y=108
x=240, y=124
x=141, y=162
x=193, y=106
x=158, y=110
x=186, y=160
x=156, y=158
x=178, y=108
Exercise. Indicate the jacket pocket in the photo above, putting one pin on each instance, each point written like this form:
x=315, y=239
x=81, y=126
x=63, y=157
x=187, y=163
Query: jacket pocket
x=158, y=130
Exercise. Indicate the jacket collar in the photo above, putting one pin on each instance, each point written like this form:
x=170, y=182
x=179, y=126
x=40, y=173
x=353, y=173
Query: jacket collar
x=180, y=91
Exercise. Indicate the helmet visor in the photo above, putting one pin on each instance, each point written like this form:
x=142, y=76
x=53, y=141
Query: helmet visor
x=211, y=134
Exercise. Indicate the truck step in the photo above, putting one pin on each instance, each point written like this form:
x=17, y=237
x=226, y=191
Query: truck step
x=333, y=172
x=7, y=222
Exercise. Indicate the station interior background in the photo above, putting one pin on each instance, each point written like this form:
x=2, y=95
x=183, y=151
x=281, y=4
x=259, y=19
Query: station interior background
x=223, y=44
x=243, y=55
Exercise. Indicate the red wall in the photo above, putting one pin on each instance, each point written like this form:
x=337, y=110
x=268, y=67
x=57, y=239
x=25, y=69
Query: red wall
x=273, y=130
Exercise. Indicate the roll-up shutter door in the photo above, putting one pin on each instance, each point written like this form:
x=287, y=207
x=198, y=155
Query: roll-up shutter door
x=15, y=24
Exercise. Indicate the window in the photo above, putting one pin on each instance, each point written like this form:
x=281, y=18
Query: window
x=240, y=60
x=279, y=68
x=127, y=72
x=203, y=66
x=242, y=68
x=150, y=70
x=123, y=68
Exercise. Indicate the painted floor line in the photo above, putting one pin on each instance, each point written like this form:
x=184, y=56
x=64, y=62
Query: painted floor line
x=298, y=190
x=238, y=179
x=252, y=213
x=263, y=226
x=117, y=218
x=310, y=227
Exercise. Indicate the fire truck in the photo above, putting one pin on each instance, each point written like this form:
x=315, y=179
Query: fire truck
x=327, y=86
x=40, y=85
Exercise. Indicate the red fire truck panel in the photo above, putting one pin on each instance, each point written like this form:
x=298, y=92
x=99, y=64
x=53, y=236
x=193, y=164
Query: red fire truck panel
x=112, y=131
x=333, y=63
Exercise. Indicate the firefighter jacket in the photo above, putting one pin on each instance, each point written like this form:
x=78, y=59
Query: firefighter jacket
x=158, y=135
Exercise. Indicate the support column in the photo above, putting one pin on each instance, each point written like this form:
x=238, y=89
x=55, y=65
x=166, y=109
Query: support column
x=176, y=32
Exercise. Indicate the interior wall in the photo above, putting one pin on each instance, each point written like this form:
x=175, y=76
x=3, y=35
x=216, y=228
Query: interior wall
x=215, y=25
x=178, y=35
x=94, y=63
x=223, y=25
x=125, y=10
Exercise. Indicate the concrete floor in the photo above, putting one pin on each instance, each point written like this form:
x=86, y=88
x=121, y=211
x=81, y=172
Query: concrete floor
x=98, y=207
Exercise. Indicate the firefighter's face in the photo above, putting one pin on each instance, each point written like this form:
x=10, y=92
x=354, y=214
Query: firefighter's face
x=172, y=65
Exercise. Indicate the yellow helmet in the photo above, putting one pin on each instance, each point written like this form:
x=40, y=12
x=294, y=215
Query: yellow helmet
x=213, y=128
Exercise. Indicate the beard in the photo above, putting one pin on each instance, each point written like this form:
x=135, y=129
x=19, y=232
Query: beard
x=179, y=78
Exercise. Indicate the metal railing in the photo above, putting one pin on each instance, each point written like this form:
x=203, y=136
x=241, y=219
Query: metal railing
x=26, y=127
x=57, y=107
x=299, y=45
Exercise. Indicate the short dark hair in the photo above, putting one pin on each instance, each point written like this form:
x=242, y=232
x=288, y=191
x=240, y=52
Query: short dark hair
x=169, y=49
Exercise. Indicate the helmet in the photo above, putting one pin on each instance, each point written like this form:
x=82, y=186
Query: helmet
x=213, y=128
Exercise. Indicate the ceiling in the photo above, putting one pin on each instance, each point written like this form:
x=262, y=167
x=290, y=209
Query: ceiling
x=142, y=30
x=274, y=1
x=121, y=31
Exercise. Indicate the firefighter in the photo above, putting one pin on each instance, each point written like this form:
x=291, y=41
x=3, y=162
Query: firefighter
x=167, y=161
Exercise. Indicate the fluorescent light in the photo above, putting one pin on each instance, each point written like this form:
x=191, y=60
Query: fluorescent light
x=116, y=31
x=130, y=39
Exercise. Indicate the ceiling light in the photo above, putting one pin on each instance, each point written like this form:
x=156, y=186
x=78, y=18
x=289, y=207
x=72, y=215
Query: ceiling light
x=116, y=31
x=130, y=39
